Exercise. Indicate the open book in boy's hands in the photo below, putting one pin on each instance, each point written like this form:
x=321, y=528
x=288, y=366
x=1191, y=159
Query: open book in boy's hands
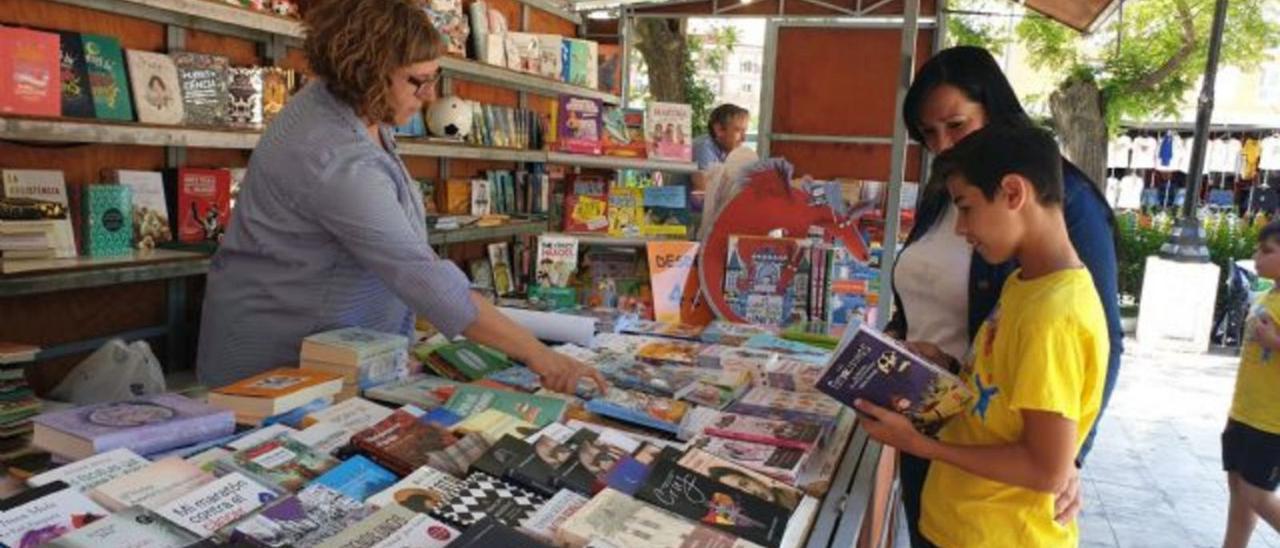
x=875, y=367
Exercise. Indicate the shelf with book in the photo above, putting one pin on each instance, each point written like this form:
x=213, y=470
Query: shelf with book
x=605, y=240
x=617, y=162
x=27, y=277
x=425, y=147
x=483, y=73
x=514, y=227
x=70, y=130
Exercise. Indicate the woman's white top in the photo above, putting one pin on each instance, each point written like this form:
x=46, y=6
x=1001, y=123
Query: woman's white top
x=932, y=279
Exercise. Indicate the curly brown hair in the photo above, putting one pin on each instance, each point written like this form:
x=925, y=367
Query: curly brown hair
x=356, y=46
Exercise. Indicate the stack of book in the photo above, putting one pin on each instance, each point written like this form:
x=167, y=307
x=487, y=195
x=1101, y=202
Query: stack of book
x=146, y=425
x=277, y=392
x=363, y=357
x=18, y=404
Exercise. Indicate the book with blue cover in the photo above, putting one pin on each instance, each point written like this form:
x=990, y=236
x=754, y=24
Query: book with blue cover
x=874, y=367
x=643, y=409
x=358, y=478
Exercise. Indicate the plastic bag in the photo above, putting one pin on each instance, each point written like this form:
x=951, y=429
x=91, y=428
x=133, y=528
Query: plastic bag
x=115, y=372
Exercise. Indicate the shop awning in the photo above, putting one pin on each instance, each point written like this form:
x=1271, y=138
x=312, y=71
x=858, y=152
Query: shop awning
x=1082, y=15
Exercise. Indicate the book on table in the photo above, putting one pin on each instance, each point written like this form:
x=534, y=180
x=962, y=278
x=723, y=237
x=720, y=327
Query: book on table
x=146, y=425
x=274, y=392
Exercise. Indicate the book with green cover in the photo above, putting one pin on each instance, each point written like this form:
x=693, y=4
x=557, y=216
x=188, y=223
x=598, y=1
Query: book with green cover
x=468, y=400
x=108, y=220
x=107, y=81
x=474, y=361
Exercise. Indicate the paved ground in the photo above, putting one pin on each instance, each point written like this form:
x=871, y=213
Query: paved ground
x=1154, y=478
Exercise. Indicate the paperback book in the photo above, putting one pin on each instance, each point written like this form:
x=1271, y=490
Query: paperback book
x=283, y=462
x=77, y=97
x=422, y=491
x=358, y=478
x=666, y=211
x=538, y=410
x=245, y=88
x=621, y=520
x=781, y=463
x=107, y=81
x=579, y=125
x=305, y=519
x=215, y=505
x=83, y=475
x=203, y=78
x=146, y=425
x=654, y=412
x=150, y=207
x=30, y=72
x=402, y=443
x=45, y=513
x=484, y=496
x=152, y=486
x=772, y=403
x=729, y=473
x=557, y=260
x=684, y=492
x=154, y=80
x=669, y=131
x=131, y=527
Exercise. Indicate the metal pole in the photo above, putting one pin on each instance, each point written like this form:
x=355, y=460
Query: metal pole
x=898, y=161
x=1187, y=243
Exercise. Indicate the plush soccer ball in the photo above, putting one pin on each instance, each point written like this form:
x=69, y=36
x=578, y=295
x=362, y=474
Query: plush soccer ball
x=449, y=117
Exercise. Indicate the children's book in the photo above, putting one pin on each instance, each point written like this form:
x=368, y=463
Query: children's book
x=625, y=213
x=670, y=352
x=671, y=273
x=500, y=265
x=579, y=129
x=610, y=69
x=666, y=211
x=758, y=277
x=733, y=334
x=624, y=132
x=549, y=62
x=669, y=131
x=557, y=260
x=154, y=80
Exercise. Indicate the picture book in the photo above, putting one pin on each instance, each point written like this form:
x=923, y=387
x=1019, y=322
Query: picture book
x=686, y=493
x=500, y=265
x=581, y=64
x=150, y=207
x=544, y=522
x=624, y=132
x=524, y=52
x=77, y=98
x=791, y=349
x=772, y=403
x=50, y=189
x=45, y=513
x=83, y=475
x=305, y=519
x=245, y=88
x=152, y=486
x=107, y=81
x=421, y=531
x=484, y=496
x=422, y=491
x=624, y=212
x=401, y=442
x=131, y=527
x=671, y=273
x=727, y=472
x=586, y=209
x=108, y=220
x=758, y=277
x=200, y=203
x=153, y=77
x=145, y=425
x=670, y=352
x=538, y=410
x=283, y=462
x=549, y=48
x=358, y=478
x=579, y=125
x=873, y=366
x=481, y=198
x=681, y=331
x=449, y=19
x=215, y=505
x=780, y=463
x=666, y=211
x=617, y=519
x=610, y=68
x=669, y=131
x=654, y=412
x=557, y=260
x=203, y=78
x=30, y=72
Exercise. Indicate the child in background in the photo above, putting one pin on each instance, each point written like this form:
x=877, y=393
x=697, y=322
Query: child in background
x=1251, y=440
x=1037, y=365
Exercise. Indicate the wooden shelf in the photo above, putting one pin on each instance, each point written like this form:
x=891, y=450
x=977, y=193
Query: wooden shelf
x=501, y=76
x=483, y=233
x=22, y=277
x=605, y=240
x=617, y=162
x=71, y=130
x=423, y=147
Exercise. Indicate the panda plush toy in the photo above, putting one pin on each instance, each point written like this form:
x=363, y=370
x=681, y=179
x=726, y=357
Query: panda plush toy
x=449, y=117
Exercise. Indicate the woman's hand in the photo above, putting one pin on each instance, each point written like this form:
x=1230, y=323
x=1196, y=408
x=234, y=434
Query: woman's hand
x=891, y=428
x=561, y=373
x=931, y=352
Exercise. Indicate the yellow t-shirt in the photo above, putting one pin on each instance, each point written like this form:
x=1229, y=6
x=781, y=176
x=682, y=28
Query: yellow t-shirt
x=1044, y=348
x=1258, y=379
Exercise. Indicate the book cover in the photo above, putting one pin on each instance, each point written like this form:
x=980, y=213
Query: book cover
x=449, y=19
x=481, y=274
x=373, y=530
x=492, y=532
x=586, y=213
x=260, y=435
x=472, y=360
x=538, y=410
x=283, y=462
x=624, y=213
x=401, y=442
x=146, y=425
x=670, y=352
x=557, y=260
x=153, y=77
x=579, y=129
x=426, y=392
x=481, y=198
x=77, y=98
x=107, y=81
x=873, y=366
x=510, y=453
x=684, y=492
x=131, y=528
x=351, y=345
x=85, y=474
x=245, y=88
x=772, y=403
x=46, y=513
x=638, y=408
x=715, y=389
x=520, y=378
x=669, y=131
x=215, y=505
x=200, y=203
x=609, y=68
x=733, y=334
x=620, y=520
x=422, y=531
x=790, y=349
x=549, y=47
x=305, y=519
x=624, y=132
x=780, y=463
x=583, y=67
x=500, y=266
x=325, y=437
x=48, y=187
x=203, y=78
x=629, y=374
x=152, y=486
x=795, y=434
x=758, y=278
x=734, y=475
x=354, y=414
x=791, y=374
x=493, y=425
x=30, y=73
x=671, y=273
x=484, y=496
x=150, y=207
x=422, y=491
x=524, y=52
x=277, y=86
x=276, y=383
x=544, y=523
x=108, y=220
x=591, y=460
x=666, y=211
x=628, y=475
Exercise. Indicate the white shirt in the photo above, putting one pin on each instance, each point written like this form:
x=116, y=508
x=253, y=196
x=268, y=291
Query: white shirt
x=1215, y=156
x=1231, y=162
x=1118, y=152
x=1113, y=191
x=932, y=278
x=1144, y=153
x=1130, y=196
x=1270, y=159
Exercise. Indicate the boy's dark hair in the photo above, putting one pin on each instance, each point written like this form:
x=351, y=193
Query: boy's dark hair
x=722, y=115
x=986, y=156
x=1269, y=232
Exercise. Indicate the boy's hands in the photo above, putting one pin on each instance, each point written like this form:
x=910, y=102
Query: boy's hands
x=892, y=428
x=1266, y=333
x=1068, y=501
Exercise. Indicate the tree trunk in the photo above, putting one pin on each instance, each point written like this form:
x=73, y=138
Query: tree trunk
x=1082, y=127
x=662, y=45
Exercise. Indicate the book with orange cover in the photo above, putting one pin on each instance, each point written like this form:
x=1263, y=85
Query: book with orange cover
x=275, y=392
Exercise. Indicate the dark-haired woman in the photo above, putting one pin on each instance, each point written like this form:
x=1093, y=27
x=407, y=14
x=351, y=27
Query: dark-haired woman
x=329, y=230
x=957, y=92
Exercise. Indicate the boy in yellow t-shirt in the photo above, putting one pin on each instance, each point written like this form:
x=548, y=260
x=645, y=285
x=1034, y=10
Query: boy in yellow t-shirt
x=1251, y=441
x=1037, y=365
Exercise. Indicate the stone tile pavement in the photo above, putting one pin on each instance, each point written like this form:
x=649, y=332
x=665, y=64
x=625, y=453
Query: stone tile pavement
x=1154, y=478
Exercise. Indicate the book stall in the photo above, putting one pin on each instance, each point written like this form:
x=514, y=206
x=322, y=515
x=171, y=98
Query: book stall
x=733, y=326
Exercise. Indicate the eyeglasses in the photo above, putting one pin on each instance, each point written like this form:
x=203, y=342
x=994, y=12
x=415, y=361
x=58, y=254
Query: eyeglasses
x=423, y=84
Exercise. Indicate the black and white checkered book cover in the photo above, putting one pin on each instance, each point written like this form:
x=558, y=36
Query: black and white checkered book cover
x=484, y=495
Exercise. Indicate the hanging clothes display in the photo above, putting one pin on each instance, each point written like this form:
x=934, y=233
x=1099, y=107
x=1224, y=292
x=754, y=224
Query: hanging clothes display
x=1269, y=158
x=1251, y=153
x=1130, y=195
x=1215, y=156
x=1165, y=153
x=1113, y=191
x=1118, y=152
x=1233, y=162
x=1143, y=154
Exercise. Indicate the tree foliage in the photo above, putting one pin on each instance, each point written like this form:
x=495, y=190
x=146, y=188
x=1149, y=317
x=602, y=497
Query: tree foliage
x=662, y=44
